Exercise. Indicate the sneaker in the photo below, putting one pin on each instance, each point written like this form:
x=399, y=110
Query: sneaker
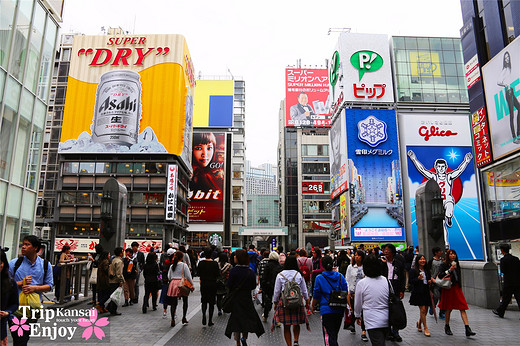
x=164, y=315
x=184, y=321
x=398, y=338
x=364, y=337
x=264, y=318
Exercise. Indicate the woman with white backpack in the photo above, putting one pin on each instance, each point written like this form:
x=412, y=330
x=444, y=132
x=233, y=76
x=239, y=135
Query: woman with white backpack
x=290, y=292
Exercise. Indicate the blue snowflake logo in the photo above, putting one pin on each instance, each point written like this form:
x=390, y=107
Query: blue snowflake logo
x=372, y=131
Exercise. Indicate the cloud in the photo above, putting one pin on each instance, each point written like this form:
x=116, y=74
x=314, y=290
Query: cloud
x=412, y=188
x=470, y=188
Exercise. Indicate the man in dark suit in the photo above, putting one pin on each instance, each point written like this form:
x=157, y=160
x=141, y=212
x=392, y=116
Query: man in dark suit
x=301, y=112
x=510, y=268
x=392, y=267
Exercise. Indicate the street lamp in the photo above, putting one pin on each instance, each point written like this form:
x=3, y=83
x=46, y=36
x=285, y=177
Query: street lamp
x=106, y=215
x=106, y=205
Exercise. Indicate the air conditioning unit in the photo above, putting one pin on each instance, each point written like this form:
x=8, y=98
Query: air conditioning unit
x=46, y=233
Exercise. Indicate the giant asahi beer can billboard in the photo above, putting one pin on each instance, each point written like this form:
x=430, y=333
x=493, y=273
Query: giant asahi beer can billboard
x=129, y=94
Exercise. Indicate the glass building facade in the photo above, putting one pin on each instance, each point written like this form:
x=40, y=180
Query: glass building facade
x=28, y=30
x=429, y=70
x=489, y=27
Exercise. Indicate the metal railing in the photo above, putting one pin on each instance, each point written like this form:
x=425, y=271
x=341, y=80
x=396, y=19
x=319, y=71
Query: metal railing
x=77, y=275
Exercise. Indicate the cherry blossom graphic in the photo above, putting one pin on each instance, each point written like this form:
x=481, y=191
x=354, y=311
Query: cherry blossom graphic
x=93, y=325
x=20, y=326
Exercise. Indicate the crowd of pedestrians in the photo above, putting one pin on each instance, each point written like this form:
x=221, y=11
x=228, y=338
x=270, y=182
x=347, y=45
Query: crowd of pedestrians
x=350, y=288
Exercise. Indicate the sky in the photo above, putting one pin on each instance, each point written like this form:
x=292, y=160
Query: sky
x=255, y=41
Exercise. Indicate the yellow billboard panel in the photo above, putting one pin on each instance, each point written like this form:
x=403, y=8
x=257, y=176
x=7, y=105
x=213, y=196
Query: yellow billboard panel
x=129, y=94
x=425, y=64
x=213, y=106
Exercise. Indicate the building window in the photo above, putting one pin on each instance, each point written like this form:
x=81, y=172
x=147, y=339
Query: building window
x=315, y=168
x=501, y=200
x=315, y=150
x=237, y=193
x=237, y=216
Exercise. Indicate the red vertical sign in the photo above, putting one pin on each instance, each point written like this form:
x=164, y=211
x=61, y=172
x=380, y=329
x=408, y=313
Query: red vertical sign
x=481, y=137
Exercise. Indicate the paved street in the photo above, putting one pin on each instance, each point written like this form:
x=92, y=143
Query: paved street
x=135, y=328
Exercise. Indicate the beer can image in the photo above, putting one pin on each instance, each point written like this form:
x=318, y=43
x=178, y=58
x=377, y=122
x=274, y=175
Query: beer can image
x=117, y=110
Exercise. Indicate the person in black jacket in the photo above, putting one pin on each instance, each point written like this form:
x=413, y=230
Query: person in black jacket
x=420, y=281
x=510, y=268
x=408, y=260
x=130, y=274
x=9, y=293
x=272, y=268
x=139, y=255
x=151, y=284
x=243, y=318
x=392, y=267
x=209, y=272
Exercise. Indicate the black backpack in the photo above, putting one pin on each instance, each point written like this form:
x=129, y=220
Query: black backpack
x=19, y=263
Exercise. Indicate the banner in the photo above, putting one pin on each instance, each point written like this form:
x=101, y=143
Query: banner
x=376, y=203
x=206, y=193
x=314, y=187
x=343, y=216
x=439, y=147
x=171, y=193
x=306, y=97
x=129, y=94
x=501, y=77
x=481, y=137
x=85, y=245
x=338, y=156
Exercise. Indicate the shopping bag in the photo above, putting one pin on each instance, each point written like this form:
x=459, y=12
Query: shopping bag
x=93, y=277
x=118, y=297
x=257, y=295
x=32, y=300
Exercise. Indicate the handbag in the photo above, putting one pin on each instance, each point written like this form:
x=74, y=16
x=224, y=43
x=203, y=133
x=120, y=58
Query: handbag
x=396, y=311
x=93, y=276
x=338, y=298
x=185, y=286
x=446, y=284
x=227, y=302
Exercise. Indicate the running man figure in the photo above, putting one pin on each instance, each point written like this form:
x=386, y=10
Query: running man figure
x=444, y=179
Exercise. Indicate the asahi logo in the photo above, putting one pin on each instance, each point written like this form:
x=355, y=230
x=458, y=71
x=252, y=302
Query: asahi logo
x=114, y=104
x=434, y=131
